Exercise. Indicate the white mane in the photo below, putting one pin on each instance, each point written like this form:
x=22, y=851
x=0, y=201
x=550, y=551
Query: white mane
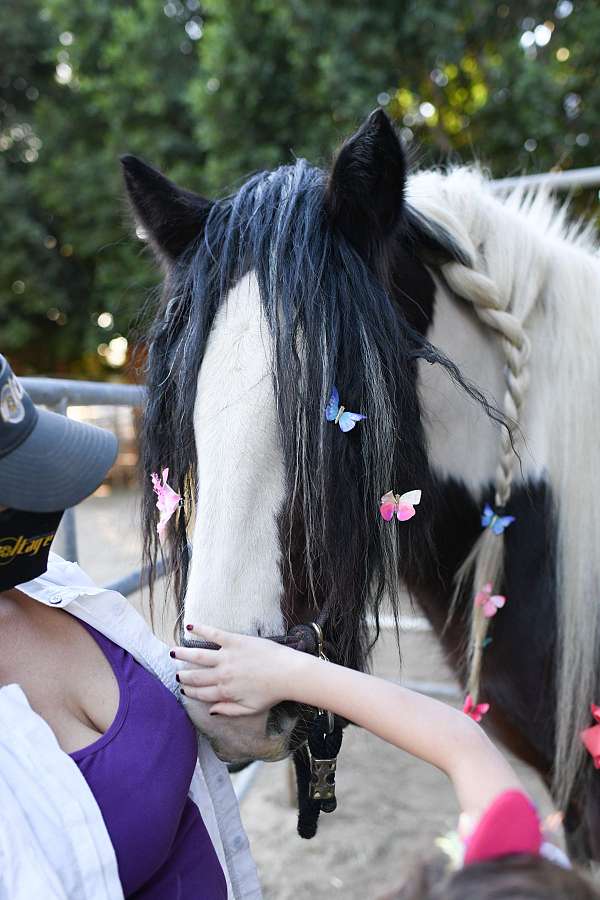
x=534, y=280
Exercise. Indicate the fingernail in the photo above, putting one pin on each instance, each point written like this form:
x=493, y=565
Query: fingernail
x=177, y=676
x=214, y=714
x=190, y=627
x=182, y=691
x=172, y=654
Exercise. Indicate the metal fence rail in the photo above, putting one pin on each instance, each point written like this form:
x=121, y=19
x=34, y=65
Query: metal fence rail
x=54, y=392
x=58, y=394
x=554, y=181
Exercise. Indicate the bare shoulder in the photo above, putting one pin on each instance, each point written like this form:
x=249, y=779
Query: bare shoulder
x=28, y=629
x=61, y=669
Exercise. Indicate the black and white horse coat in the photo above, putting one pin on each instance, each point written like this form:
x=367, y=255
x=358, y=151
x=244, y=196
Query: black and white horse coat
x=406, y=293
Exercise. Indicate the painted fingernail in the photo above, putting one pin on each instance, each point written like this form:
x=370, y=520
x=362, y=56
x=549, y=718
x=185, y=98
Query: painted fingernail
x=189, y=627
x=214, y=714
x=172, y=654
x=177, y=678
x=182, y=691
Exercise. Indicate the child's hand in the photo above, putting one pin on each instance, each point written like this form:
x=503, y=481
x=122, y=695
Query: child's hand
x=247, y=675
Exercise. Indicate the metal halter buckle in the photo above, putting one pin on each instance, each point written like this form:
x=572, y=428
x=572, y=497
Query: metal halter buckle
x=322, y=779
x=322, y=771
x=321, y=654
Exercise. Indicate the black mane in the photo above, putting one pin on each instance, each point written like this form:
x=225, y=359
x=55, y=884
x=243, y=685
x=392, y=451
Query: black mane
x=332, y=322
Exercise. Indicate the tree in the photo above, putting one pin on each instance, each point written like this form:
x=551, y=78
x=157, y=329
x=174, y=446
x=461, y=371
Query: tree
x=211, y=93
x=513, y=88
x=83, y=83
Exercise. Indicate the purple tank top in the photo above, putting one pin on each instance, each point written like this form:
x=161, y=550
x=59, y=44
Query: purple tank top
x=140, y=772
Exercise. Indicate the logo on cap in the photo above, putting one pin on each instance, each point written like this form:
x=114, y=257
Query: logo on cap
x=12, y=410
x=12, y=547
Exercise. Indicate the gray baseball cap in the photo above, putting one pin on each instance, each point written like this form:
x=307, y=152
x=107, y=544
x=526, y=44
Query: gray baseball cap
x=47, y=461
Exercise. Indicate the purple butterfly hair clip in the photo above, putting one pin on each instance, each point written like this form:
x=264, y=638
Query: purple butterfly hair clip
x=338, y=414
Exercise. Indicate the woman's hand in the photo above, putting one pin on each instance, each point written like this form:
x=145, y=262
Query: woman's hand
x=247, y=675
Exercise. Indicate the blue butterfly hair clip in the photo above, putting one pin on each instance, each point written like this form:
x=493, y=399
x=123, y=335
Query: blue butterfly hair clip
x=491, y=519
x=337, y=414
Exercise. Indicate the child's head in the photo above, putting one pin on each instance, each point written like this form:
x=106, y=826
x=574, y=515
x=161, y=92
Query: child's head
x=504, y=857
x=522, y=877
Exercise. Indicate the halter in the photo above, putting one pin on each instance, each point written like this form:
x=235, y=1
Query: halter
x=315, y=761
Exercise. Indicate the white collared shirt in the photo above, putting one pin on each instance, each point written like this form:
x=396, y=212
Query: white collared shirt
x=53, y=841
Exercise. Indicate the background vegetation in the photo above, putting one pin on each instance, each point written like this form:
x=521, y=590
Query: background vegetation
x=210, y=90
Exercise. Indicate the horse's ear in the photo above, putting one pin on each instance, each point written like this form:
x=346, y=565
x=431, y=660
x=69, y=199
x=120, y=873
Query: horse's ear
x=171, y=216
x=365, y=194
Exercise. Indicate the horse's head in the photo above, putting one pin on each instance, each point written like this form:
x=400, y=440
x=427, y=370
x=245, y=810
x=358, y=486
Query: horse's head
x=300, y=281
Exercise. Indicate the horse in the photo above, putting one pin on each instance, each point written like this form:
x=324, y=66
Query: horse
x=463, y=324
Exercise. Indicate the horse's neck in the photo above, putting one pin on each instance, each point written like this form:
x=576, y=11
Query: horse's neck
x=463, y=441
x=550, y=284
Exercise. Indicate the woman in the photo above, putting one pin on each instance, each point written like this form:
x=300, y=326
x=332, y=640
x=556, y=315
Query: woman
x=106, y=790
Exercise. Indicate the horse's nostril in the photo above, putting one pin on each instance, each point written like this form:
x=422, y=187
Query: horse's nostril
x=282, y=718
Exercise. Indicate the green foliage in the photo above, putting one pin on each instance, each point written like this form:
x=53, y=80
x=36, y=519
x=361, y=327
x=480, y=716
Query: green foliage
x=212, y=93
x=66, y=248
x=329, y=65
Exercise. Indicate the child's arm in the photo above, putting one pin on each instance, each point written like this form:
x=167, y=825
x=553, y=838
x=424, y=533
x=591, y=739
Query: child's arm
x=250, y=674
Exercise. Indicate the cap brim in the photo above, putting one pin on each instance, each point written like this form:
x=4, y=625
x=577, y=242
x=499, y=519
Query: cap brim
x=59, y=464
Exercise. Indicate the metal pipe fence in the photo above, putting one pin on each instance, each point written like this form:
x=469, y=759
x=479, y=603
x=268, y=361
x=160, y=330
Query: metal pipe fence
x=58, y=394
x=554, y=181
x=53, y=392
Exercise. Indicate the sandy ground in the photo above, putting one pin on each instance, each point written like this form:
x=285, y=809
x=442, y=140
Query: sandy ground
x=390, y=806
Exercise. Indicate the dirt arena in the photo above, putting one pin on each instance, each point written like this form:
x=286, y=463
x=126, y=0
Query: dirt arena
x=390, y=806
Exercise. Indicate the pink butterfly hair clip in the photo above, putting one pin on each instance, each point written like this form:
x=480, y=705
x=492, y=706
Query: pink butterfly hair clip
x=403, y=505
x=490, y=603
x=167, y=502
x=475, y=711
x=590, y=737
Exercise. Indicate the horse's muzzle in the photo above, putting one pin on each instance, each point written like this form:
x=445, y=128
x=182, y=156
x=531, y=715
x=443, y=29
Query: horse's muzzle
x=270, y=736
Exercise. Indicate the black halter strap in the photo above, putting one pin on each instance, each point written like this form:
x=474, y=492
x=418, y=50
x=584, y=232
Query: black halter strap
x=303, y=637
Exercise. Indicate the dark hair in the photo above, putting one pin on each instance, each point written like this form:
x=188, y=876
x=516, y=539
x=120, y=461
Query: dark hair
x=520, y=877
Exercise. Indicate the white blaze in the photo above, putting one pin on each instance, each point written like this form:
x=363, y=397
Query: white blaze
x=235, y=578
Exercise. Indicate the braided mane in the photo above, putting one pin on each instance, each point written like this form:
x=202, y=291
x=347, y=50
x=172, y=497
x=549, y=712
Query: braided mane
x=485, y=562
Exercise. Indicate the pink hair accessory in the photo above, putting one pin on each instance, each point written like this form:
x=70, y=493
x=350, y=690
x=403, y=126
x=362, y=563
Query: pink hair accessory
x=475, y=711
x=490, y=603
x=403, y=505
x=509, y=825
x=167, y=502
x=590, y=737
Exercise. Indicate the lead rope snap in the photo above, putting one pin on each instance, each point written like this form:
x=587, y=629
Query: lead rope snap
x=323, y=747
x=321, y=654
